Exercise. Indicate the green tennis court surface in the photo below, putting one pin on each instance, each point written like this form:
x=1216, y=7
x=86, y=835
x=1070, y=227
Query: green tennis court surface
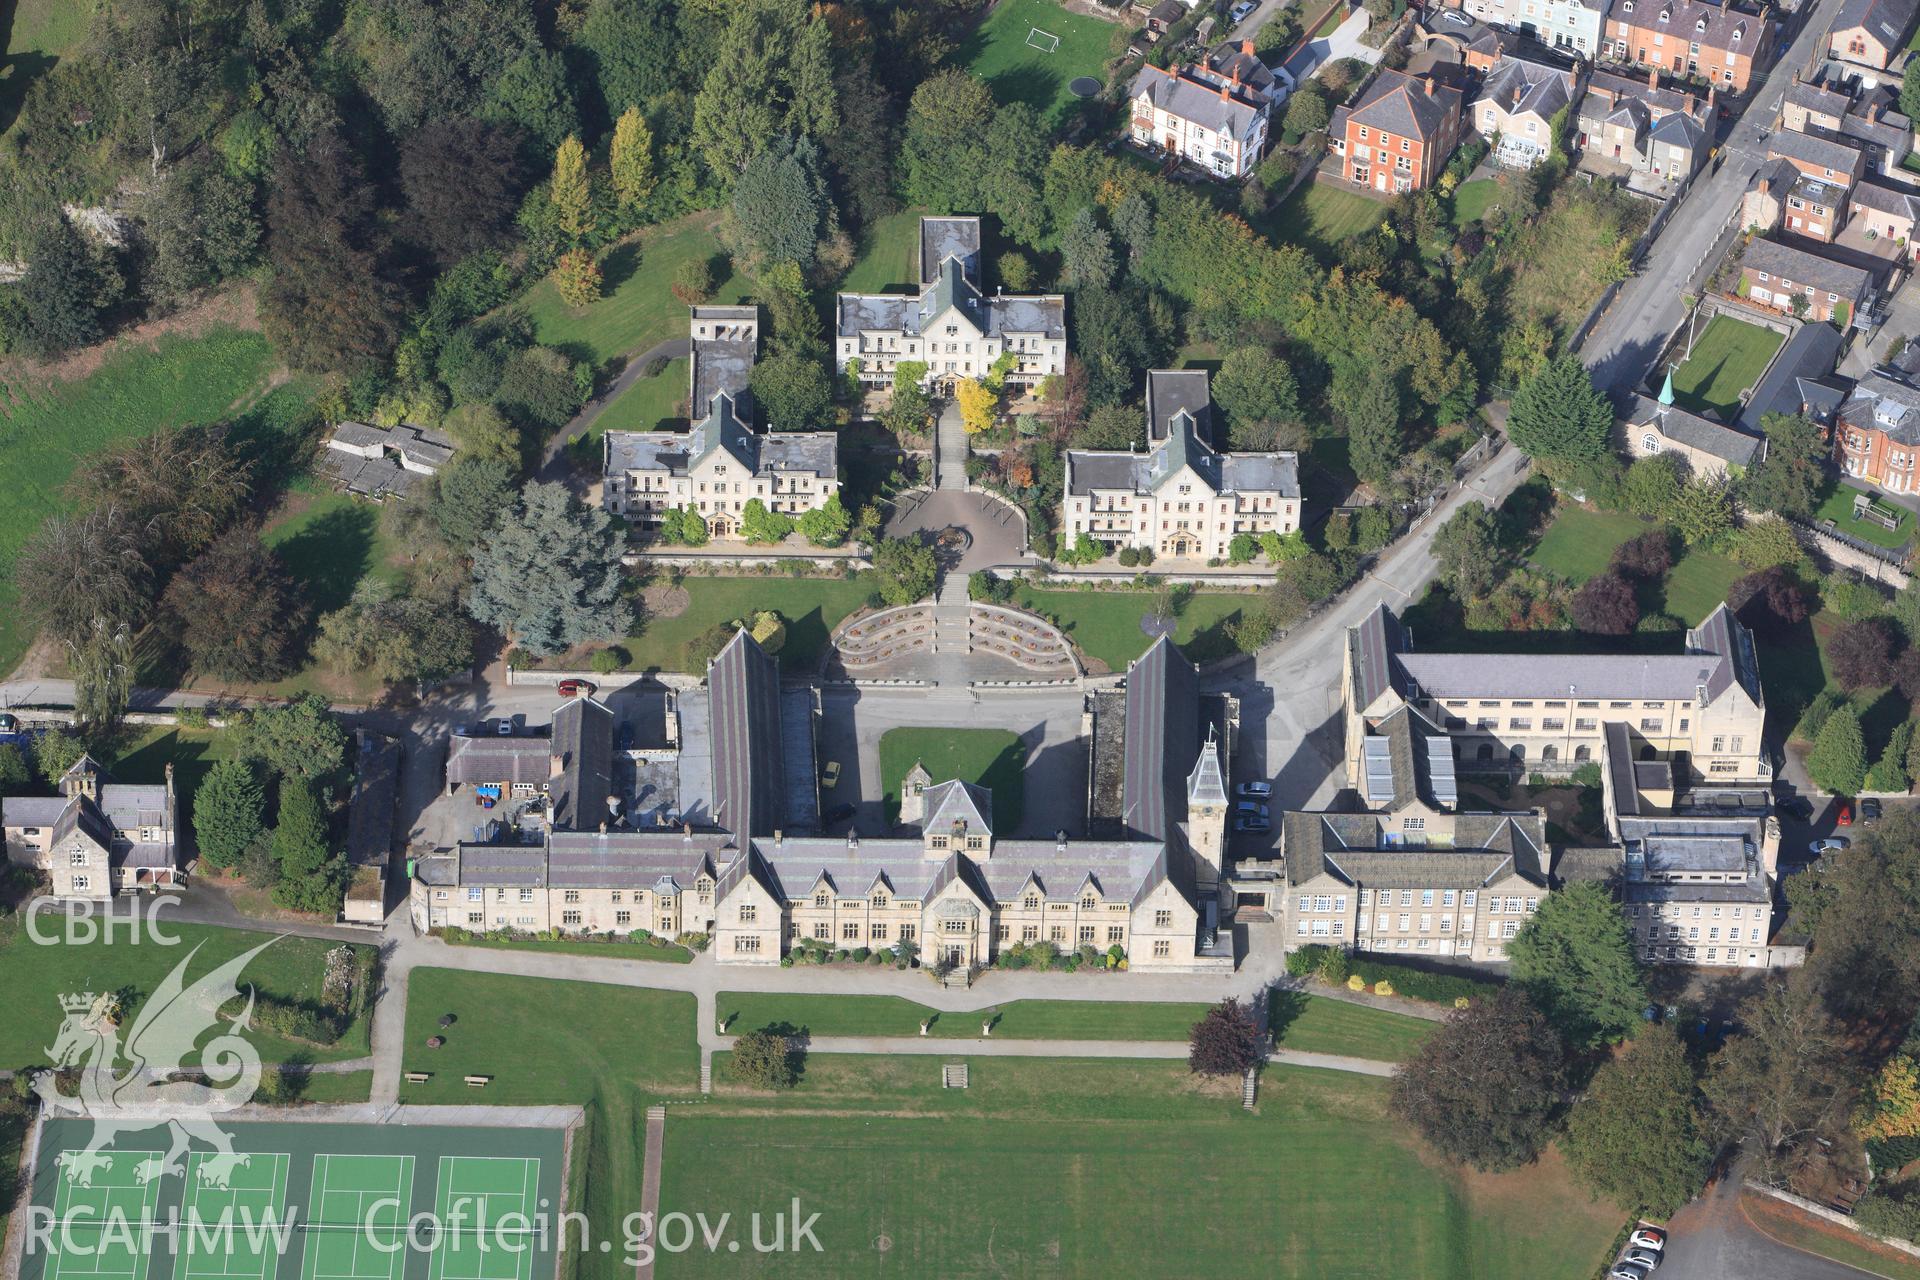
x=299, y=1202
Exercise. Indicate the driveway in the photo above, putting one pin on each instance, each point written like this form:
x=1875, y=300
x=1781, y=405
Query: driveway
x=1342, y=42
x=1711, y=1239
x=554, y=468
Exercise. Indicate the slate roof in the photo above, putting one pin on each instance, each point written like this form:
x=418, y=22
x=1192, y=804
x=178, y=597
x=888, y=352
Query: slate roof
x=760, y=453
x=380, y=477
x=1794, y=377
x=1142, y=473
x=370, y=807
x=1207, y=784
x=1729, y=444
x=1196, y=102
x=1396, y=103
x=1712, y=26
x=724, y=364
x=1234, y=63
x=488, y=759
x=1902, y=204
x=583, y=764
x=1888, y=21
x=1887, y=404
x=1820, y=153
x=996, y=316
x=743, y=684
x=1519, y=87
x=1818, y=99
x=1608, y=90
x=955, y=801
x=1680, y=130
x=1352, y=847
x=1795, y=267
x=949, y=237
x=1163, y=740
x=1174, y=391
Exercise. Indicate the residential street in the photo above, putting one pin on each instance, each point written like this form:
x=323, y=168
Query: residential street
x=1630, y=335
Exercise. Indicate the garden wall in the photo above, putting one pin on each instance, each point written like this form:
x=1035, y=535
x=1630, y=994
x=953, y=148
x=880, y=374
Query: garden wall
x=1828, y=1215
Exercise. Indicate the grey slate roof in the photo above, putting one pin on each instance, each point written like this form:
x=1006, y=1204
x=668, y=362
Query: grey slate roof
x=370, y=808
x=1798, y=267
x=583, y=764
x=1171, y=392
x=1177, y=405
x=1519, y=87
x=950, y=237
x=1207, y=784
x=1903, y=204
x=1163, y=740
x=32, y=811
x=760, y=453
x=1680, y=130
x=1608, y=91
x=1198, y=103
x=1730, y=444
x=724, y=363
x=743, y=684
x=1888, y=21
x=955, y=801
x=1793, y=379
x=1819, y=99
x=998, y=316
x=1822, y=153
x=1711, y=25
x=1883, y=403
x=1233, y=63
x=496, y=759
x=1353, y=848
x=1397, y=103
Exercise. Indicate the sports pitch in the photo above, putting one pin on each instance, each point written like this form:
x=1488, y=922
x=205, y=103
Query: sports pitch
x=298, y=1201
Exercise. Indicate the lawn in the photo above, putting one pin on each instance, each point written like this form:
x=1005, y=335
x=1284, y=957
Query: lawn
x=1838, y=507
x=1335, y=16
x=1472, y=199
x=38, y=34
x=811, y=606
x=291, y=969
x=1320, y=215
x=1800, y=1230
x=1109, y=1168
x=47, y=427
x=637, y=309
x=659, y=403
x=611, y=1049
x=993, y=758
x=889, y=256
x=329, y=542
x=1581, y=541
x=335, y=1087
x=1106, y=624
x=997, y=51
x=1320, y=1025
x=824, y=1015
x=144, y=757
x=638, y=948
x=1728, y=358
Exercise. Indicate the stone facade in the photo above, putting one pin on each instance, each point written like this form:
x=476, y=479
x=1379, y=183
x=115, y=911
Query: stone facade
x=97, y=837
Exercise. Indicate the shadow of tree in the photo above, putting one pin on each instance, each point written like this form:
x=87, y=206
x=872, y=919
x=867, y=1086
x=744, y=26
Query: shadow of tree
x=332, y=554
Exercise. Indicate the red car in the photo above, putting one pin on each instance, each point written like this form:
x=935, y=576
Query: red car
x=574, y=688
x=1843, y=814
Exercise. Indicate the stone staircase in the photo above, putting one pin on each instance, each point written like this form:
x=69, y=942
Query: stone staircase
x=953, y=1075
x=706, y=1075
x=959, y=976
x=1250, y=1088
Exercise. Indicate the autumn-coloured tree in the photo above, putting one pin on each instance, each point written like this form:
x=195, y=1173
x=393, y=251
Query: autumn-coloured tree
x=571, y=193
x=1890, y=1104
x=976, y=405
x=631, y=159
x=577, y=276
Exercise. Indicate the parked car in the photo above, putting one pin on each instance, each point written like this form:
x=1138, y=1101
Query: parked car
x=1251, y=806
x=1799, y=808
x=1648, y=1238
x=1240, y=11
x=1254, y=790
x=1249, y=822
x=839, y=813
x=1832, y=844
x=1629, y=1271
x=1843, y=813
x=1869, y=811
x=1641, y=1257
x=9, y=723
x=575, y=688
x=830, y=776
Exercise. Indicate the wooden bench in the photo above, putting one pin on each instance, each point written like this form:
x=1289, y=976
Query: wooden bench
x=479, y=1082
x=418, y=1077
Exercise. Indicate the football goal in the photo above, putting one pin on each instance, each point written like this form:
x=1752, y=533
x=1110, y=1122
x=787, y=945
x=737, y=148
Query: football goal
x=1044, y=41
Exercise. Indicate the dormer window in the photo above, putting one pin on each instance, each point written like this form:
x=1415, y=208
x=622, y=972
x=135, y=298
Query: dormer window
x=820, y=899
x=1736, y=37
x=1030, y=903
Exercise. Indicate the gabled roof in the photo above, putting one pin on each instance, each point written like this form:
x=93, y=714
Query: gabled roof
x=1207, y=784
x=1716, y=439
x=1608, y=90
x=1409, y=106
x=583, y=764
x=949, y=237
x=1888, y=21
x=724, y=431
x=496, y=759
x=1901, y=204
x=1518, y=87
x=1885, y=403
x=1819, y=153
x=1357, y=848
x=1216, y=109
x=1710, y=25
x=1794, y=379
x=958, y=802
x=1171, y=392
x=1183, y=447
x=743, y=706
x=1797, y=266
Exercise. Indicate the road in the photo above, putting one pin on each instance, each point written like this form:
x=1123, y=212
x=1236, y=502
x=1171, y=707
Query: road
x=1629, y=337
x=1712, y=1240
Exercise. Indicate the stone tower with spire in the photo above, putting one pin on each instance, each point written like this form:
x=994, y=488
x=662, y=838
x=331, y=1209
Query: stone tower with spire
x=1207, y=808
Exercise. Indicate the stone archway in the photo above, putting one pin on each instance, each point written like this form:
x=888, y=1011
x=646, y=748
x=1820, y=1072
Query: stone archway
x=1181, y=544
x=720, y=525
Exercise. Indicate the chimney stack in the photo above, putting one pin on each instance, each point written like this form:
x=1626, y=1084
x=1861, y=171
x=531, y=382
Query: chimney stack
x=1653, y=77
x=1246, y=47
x=1224, y=95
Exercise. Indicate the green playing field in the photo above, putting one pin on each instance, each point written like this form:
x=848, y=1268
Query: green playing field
x=299, y=1202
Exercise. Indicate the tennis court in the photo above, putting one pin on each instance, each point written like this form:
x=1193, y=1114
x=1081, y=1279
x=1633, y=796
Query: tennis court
x=301, y=1201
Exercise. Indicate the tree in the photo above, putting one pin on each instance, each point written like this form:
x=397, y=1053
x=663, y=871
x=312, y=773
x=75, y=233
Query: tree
x=548, y=575
x=15, y=773
x=468, y=496
x=312, y=876
x=1890, y=1102
x=827, y=524
x=1652, y=486
x=235, y=610
x=1605, y=606
x=174, y=491
x=781, y=202
x=1256, y=391
x=229, y=812
x=577, y=278
x=58, y=296
x=693, y=281
x=77, y=570
x=571, y=192
x=463, y=181
x=483, y=434
x=1647, y=556
x=1306, y=112
x=1483, y=1087
x=793, y=393
x=1575, y=958
x=1225, y=1042
x=200, y=228
x=909, y=410
x=1703, y=512
x=299, y=738
x=906, y=569
x=1910, y=91
x=1765, y=542
x=1376, y=443
x=757, y=524
x=1467, y=550
x=764, y=1059
x=977, y=405
x=1860, y=654
x=395, y=637
x=1770, y=601
x=54, y=752
x=1086, y=253
x=1788, y=479
x=101, y=664
x=631, y=45
x=1635, y=1137
x=1889, y=772
x=1785, y=1079
x=540, y=387
x=1838, y=761
x=1110, y=426
x=943, y=150
x=329, y=304
x=1865, y=955
x=1559, y=413
x=771, y=74
x=630, y=159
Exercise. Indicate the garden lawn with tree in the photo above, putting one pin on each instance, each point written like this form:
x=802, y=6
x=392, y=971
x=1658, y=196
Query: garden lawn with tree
x=827, y=1015
x=1318, y=216
x=993, y=758
x=1728, y=358
x=1105, y=625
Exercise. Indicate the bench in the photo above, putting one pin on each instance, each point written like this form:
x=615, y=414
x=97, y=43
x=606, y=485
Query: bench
x=418, y=1077
x=479, y=1082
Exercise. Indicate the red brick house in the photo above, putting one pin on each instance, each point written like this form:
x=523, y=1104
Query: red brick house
x=1400, y=133
x=1716, y=43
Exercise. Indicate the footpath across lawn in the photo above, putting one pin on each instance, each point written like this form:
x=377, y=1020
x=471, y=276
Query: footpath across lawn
x=813, y=607
x=823, y=1015
x=1105, y=624
x=1088, y=1168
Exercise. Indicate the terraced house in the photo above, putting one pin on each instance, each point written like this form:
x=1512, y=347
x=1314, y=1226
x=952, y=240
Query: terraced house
x=1182, y=496
x=1214, y=113
x=1570, y=25
x=951, y=324
x=1719, y=44
x=1641, y=126
x=743, y=865
x=722, y=463
x=1701, y=707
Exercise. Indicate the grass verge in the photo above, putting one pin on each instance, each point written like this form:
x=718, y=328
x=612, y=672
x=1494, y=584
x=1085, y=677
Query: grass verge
x=825, y=1015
